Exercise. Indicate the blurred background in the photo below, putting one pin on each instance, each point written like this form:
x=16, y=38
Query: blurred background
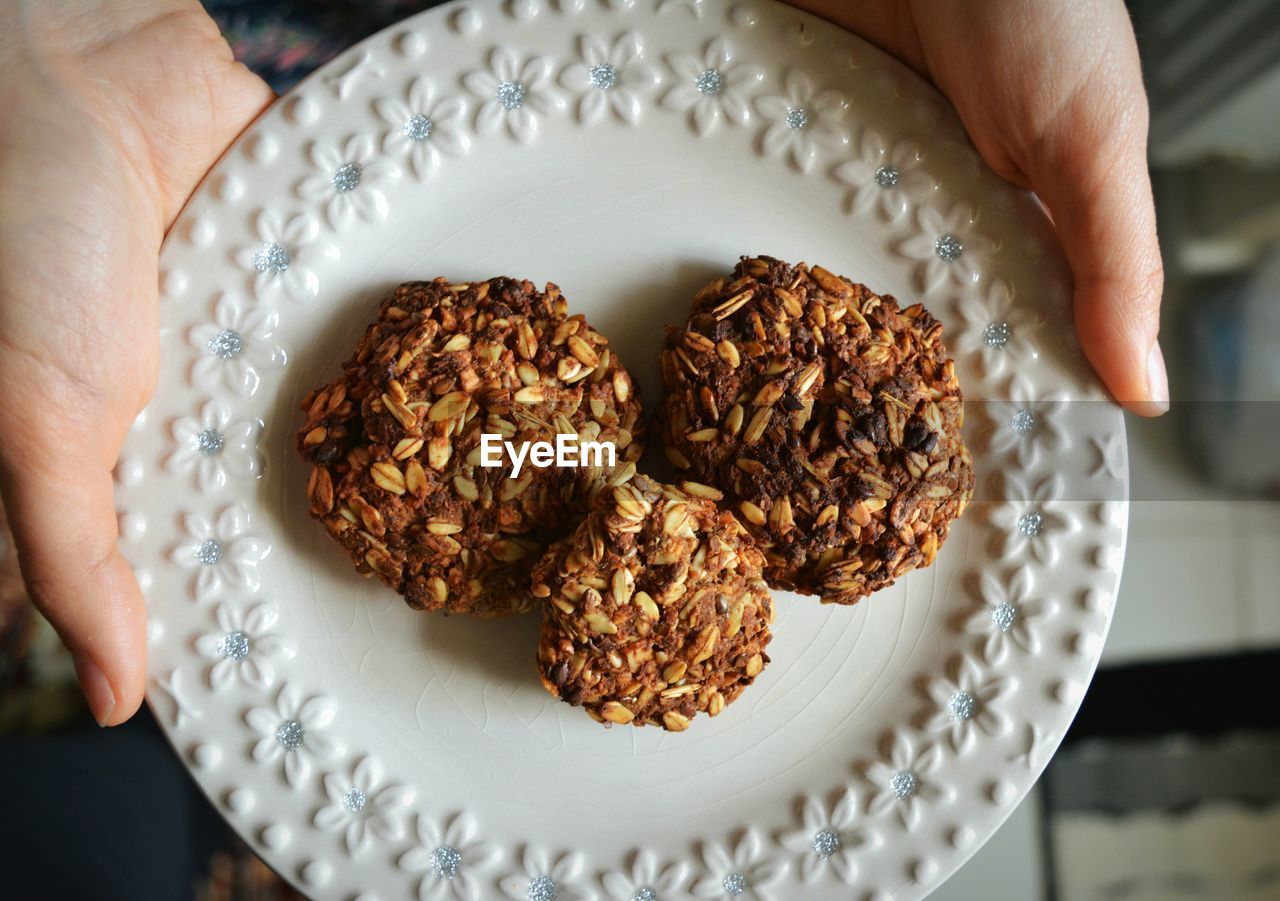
x=1168, y=785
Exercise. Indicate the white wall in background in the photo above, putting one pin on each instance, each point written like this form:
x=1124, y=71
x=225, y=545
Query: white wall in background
x=1202, y=572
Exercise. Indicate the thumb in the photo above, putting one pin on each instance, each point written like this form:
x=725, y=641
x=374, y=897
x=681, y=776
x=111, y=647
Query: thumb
x=1091, y=172
x=64, y=526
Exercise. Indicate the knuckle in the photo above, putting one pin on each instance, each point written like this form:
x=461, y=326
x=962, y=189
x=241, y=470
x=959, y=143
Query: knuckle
x=1151, y=278
x=1131, y=296
x=53, y=586
x=63, y=587
x=1142, y=286
x=43, y=591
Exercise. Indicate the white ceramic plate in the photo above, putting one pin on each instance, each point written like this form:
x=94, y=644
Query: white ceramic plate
x=354, y=742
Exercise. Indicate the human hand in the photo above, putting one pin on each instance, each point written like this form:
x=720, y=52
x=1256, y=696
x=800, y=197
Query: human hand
x=113, y=112
x=1052, y=95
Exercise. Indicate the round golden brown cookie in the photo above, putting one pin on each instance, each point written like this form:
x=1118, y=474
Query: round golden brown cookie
x=396, y=448
x=656, y=607
x=829, y=417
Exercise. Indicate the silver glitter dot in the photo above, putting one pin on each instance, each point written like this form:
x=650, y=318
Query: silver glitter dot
x=604, y=76
x=797, y=118
x=996, y=335
x=290, y=735
x=418, y=128
x=271, y=258
x=446, y=862
x=645, y=894
x=208, y=552
x=1031, y=524
x=962, y=705
x=735, y=884
x=1003, y=616
x=887, y=176
x=226, y=344
x=543, y=888
x=1022, y=422
x=209, y=442
x=235, y=646
x=904, y=784
x=826, y=843
x=354, y=800
x=709, y=82
x=948, y=248
x=347, y=177
x=511, y=95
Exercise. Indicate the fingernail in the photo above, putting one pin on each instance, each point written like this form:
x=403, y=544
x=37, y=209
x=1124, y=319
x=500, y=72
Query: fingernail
x=97, y=690
x=1157, y=378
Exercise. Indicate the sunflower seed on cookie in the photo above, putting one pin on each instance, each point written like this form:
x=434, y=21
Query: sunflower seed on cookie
x=829, y=417
x=656, y=609
x=395, y=442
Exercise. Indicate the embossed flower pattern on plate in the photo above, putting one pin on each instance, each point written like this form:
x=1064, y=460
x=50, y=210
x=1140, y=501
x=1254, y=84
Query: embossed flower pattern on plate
x=948, y=246
x=1028, y=423
x=712, y=87
x=1109, y=456
x=610, y=78
x=827, y=839
x=805, y=125
x=646, y=878
x=903, y=780
x=693, y=7
x=215, y=447
x=1032, y=520
x=451, y=857
x=360, y=68
x=544, y=876
x=995, y=332
x=966, y=704
x=739, y=870
x=244, y=647
x=513, y=92
x=285, y=256
x=293, y=731
x=886, y=176
x=1007, y=615
x=525, y=9
x=235, y=349
x=222, y=552
x=424, y=128
x=362, y=808
x=349, y=181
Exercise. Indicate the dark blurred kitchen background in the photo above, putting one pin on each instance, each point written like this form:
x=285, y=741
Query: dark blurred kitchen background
x=1168, y=785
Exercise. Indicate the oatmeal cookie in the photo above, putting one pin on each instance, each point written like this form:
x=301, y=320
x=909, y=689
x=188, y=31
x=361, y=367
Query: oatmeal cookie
x=830, y=418
x=395, y=442
x=656, y=607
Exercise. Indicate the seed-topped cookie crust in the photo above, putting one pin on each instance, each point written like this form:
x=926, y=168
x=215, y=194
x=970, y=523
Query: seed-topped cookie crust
x=395, y=442
x=828, y=416
x=656, y=607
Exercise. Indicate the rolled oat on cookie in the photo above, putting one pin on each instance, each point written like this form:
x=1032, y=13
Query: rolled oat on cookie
x=656, y=609
x=828, y=416
x=395, y=442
